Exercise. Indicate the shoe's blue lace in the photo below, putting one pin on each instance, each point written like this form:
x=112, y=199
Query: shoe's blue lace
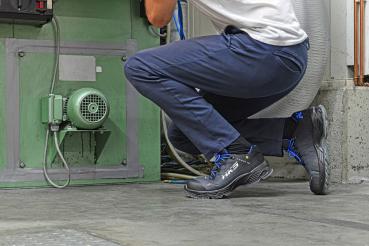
x=218, y=163
x=292, y=151
x=298, y=116
x=251, y=148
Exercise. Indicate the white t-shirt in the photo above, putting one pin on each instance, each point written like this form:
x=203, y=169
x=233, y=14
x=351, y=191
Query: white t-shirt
x=269, y=21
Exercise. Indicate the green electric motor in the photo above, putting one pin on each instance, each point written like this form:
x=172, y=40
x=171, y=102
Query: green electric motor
x=87, y=108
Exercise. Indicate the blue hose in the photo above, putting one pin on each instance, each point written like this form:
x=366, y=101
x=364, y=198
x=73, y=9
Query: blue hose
x=179, y=22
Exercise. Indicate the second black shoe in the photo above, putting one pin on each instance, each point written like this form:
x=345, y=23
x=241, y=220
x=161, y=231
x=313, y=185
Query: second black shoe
x=230, y=171
x=309, y=147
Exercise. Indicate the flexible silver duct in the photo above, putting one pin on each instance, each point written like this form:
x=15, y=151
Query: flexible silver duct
x=314, y=18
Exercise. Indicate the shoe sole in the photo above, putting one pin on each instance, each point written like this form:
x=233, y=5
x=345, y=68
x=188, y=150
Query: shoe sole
x=261, y=172
x=319, y=181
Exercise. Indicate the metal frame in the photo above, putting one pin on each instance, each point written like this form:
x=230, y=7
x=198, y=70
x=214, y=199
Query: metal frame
x=12, y=172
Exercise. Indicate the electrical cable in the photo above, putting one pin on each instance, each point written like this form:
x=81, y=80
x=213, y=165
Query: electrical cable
x=57, y=52
x=178, y=176
x=174, y=151
x=175, y=181
x=180, y=20
x=179, y=23
x=56, y=27
x=169, y=33
x=155, y=33
x=65, y=164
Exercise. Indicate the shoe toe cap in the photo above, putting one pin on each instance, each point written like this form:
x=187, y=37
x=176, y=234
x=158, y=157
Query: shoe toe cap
x=196, y=185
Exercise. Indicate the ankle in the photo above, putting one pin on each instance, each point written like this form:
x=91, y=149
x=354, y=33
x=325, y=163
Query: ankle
x=239, y=147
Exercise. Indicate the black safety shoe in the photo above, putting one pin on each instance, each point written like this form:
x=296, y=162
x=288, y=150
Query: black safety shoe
x=229, y=172
x=309, y=147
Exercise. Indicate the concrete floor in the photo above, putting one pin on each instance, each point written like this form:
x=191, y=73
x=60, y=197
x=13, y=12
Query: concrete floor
x=263, y=214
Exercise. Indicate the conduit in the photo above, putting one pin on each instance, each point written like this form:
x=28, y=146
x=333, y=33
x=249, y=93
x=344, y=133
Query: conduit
x=48, y=132
x=313, y=16
x=362, y=41
x=356, y=42
x=359, y=42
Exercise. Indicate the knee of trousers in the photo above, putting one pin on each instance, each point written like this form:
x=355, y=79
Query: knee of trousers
x=138, y=74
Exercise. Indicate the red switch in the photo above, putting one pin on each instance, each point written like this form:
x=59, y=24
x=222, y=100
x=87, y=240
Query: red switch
x=41, y=5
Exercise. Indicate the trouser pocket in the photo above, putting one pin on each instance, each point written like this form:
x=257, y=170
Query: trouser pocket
x=289, y=61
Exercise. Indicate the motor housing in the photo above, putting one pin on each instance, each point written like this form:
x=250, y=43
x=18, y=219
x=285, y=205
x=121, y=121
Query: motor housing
x=84, y=109
x=87, y=108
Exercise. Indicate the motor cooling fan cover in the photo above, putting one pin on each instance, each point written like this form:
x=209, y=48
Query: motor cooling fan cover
x=87, y=108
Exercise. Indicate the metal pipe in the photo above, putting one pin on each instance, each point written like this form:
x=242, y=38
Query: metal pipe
x=356, y=40
x=362, y=41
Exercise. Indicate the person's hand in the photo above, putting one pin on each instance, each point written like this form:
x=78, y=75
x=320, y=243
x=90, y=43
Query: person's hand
x=160, y=12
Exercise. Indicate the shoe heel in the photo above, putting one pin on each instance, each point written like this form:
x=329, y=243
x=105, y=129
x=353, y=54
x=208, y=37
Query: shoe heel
x=325, y=119
x=267, y=173
x=261, y=172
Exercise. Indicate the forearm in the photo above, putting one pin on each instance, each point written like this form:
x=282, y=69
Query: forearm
x=159, y=12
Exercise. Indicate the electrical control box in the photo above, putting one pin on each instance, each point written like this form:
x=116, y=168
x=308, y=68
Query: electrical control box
x=33, y=12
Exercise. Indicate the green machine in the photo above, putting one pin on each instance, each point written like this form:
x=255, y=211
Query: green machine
x=80, y=120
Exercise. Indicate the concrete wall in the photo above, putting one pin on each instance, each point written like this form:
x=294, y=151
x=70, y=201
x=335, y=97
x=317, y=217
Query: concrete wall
x=348, y=106
x=348, y=138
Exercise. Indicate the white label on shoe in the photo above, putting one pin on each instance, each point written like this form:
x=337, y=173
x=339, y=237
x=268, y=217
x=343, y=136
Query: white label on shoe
x=231, y=170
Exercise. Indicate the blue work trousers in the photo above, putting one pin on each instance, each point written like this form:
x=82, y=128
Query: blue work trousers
x=237, y=76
